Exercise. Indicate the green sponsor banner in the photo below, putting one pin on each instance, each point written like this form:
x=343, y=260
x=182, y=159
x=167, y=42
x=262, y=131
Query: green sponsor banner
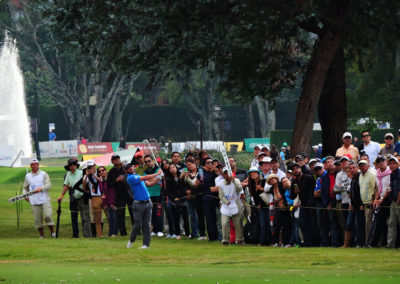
x=251, y=142
x=115, y=146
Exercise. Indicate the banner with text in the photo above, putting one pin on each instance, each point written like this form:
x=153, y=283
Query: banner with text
x=251, y=142
x=58, y=149
x=95, y=148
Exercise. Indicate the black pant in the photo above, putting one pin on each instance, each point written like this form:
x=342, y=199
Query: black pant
x=178, y=211
x=379, y=227
x=308, y=226
x=198, y=205
x=121, y=203
x=157, y=216
x=74, y=218
x=210, y=213
x=282, y=220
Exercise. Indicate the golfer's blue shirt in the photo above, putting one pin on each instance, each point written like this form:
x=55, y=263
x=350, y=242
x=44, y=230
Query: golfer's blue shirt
x=139, y=189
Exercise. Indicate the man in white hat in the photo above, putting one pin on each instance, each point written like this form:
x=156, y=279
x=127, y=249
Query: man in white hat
x=347, y=148
x=256, y=151
x=38, y=181
x=389, y=147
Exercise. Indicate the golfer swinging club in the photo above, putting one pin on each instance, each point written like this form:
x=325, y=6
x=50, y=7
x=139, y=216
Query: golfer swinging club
x=142, y=205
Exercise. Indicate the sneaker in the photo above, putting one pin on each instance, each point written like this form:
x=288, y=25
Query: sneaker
x=202, y=238
x=153, y=234
x=53, y=235
x=41, y=237
x=160, y=234
x=143, y=247
x=275, y=245
x=173, y=236
x=178, y=237
x=168, y=236
x=288, y=246
x=129, y=244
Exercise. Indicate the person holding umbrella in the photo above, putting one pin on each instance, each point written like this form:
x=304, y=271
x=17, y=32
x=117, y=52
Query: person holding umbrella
x=38, y=181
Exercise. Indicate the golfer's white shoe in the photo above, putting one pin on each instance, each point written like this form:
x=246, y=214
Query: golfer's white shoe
x=143, y=247
x=129, y=244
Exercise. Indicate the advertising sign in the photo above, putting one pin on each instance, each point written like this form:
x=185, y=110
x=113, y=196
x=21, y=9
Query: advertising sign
x=58, y=149
x=95, y=148
x=251, y=142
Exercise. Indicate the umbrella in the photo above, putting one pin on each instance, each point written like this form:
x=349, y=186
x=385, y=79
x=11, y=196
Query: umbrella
x=58, y=218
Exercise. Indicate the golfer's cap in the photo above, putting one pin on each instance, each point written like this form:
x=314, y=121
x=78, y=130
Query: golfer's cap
x=283, y=148
x=285, y=144
x=393, y=158
x=318, y=165
x=253, y=169
x=315, y=146
x=347, y=134
x=389, y=135
x=225, y=169
x=115, y=156
x=261, y=154
x=34, y=161
x=265, y=160
x=294, y=165
x=90, y=163
x=363, y=162
x=299, y=157
x=337, y=162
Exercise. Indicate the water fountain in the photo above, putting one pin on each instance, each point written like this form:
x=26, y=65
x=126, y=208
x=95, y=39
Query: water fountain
x=15, y=138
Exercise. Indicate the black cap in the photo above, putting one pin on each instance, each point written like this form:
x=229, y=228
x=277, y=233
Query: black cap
x=70, y=162
x=380, y=158
x=127, y=166
x=294, y=165
x=115, y=156
x=299, y=156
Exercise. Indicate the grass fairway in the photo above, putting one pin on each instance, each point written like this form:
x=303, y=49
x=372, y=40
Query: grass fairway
x=24, y=258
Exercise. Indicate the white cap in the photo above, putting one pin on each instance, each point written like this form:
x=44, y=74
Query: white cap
x=393, y=158
x=34, y=161
x=264, y=146
x=364, y=162
x=347, y=134
x=259, y=146
x=265, y=160
x=318, y=165
x=224, y=169
x=90, y=163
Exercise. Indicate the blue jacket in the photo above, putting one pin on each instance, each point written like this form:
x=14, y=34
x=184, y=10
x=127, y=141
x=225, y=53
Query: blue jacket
x=325, y=186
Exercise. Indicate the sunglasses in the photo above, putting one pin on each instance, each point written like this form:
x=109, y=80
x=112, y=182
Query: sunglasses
x=389, y=138
x=367, y=135
x=148, y=161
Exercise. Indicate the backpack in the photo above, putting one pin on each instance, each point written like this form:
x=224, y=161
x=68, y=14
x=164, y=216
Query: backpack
x=251, y=231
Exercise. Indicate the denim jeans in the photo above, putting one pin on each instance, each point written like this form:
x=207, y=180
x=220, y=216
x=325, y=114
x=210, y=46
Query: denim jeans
x=193, y=218
x=265, y=226
x=112, y=221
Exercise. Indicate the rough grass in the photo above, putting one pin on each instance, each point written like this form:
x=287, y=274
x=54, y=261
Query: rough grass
x=24, y=258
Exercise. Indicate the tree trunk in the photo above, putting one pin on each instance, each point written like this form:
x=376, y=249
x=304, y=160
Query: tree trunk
x=250, y=120
x=332, y=105
x=261, y=114
x=116, y=126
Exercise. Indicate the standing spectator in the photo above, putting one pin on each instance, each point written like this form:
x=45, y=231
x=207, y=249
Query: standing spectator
x=347, y=148
x=256, y=186
x=275, y=169
x=140, y=164
x=358, y=144
x=394, y=219
x=321, y=212
x=282, y=220
x=371, y=148
x=300, y=160
x=91, y=182
x=328, y=198
x=397, y=146
x=108, y=196
x=142, y=206
x=256, y=151
x=356, y=214
x=368, y=191
x=318, y=152
x=389, y=147
x=265, y=149
x=38, y=181
x=193, y=177
x=176, y=160
x=154, y=189
x=303, y=185
x=52, y=135
x=83, y=140
x=241, y=174
x=210, y=200
x=175, y=190
x=342, y=183
x=282, y=154
x=287, y=151
x=379, y=227
x=203, y=155
x=229, y=191
x=122, y=144
x=116, y=180
x=79, y=201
